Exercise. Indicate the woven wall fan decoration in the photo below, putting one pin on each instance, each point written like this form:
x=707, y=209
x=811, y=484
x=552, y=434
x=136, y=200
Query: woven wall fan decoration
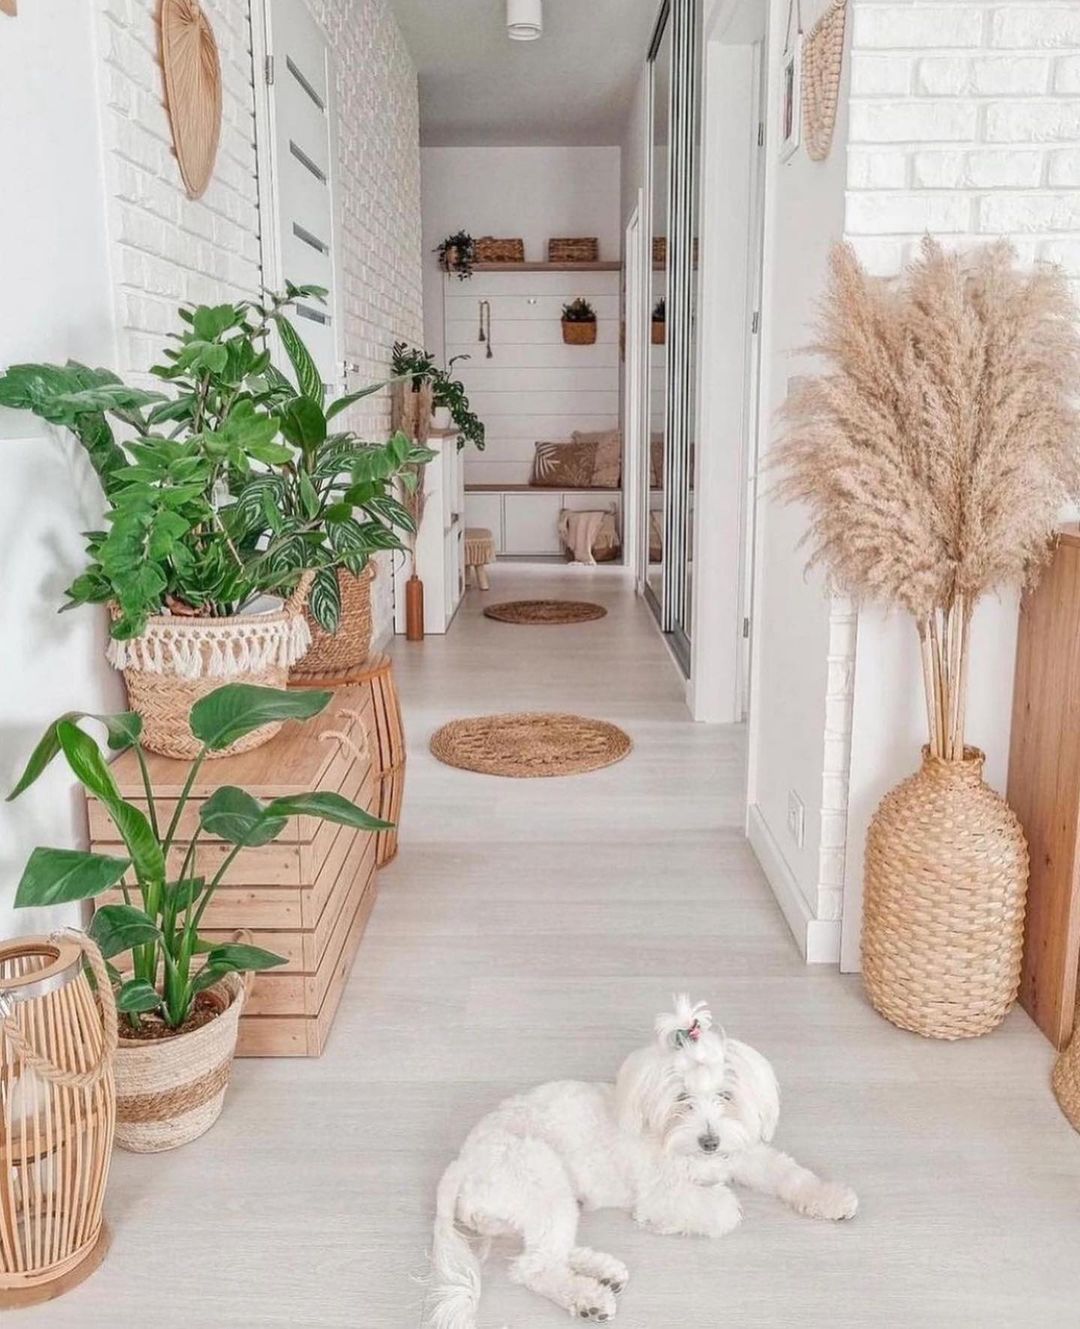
x=822, y=61
x=192, y=67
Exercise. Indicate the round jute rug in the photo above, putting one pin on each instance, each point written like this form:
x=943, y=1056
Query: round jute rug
x=544, y=611
x=530, y=743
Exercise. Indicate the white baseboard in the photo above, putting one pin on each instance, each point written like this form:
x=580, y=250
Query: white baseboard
x=818, y=939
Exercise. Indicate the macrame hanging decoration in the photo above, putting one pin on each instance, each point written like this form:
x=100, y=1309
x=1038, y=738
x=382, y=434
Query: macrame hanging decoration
x=822, y=61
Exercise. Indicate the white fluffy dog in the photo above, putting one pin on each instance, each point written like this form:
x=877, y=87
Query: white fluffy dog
x=689, y=1114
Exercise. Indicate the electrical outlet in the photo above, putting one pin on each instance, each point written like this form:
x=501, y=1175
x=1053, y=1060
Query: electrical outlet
x=796, y=817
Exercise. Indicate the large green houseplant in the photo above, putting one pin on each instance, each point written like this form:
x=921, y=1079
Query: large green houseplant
x=171, y=984
x=234, y=487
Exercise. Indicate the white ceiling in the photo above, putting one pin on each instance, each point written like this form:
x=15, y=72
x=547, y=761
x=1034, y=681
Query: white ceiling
x=572, y=86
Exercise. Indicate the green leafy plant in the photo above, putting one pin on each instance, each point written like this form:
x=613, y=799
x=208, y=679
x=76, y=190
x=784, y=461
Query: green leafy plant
x=579, y=311
x=659, y=313
x=457, y=254
x=157, y=926
x=232, y=486
x=419, y=367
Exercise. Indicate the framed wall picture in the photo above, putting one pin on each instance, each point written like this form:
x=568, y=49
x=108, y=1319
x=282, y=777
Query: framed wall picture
x=791, y=97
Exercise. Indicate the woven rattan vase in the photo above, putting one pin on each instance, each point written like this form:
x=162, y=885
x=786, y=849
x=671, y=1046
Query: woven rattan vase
x=346, y=650
x=170, y=1091
x=943, y=904
x=1066, y=1081
x=178, y=659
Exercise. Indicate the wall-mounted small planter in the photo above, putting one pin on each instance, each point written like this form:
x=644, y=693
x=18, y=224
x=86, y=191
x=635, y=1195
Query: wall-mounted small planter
x=577, y=333
x=659, y=332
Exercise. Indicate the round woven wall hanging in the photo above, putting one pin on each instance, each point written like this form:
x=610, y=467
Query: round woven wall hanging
x=545, y=611
x=530, y=744
x=189, y=58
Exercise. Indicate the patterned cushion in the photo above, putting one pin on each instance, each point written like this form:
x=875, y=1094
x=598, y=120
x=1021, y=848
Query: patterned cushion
x=607, y=471
x=564, y=465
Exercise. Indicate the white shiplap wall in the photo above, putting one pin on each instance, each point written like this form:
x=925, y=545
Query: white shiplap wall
x=534, y=387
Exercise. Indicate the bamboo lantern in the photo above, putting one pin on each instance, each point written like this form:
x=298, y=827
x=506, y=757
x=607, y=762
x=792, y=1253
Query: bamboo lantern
x=57, y=1114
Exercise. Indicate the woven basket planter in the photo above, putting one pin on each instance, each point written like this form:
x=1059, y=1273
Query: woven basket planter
x=578, y=334
x=348, y=648
x=1066, y=1081
x=659, y=331
x=574, y=249
x=491, y=249
x=169, y=1091
x=177, y=660
x=943, y=902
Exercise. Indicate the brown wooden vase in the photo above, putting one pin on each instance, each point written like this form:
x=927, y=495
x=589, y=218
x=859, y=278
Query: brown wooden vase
x=414, y=609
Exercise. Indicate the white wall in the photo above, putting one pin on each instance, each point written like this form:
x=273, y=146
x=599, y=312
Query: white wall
x=56, y=304
x=966, y=123
x=102, y=247
x=794, y=627
x=533, y=193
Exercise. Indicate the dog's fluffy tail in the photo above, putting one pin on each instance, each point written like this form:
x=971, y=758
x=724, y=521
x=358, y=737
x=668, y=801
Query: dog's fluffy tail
x=456, y=1293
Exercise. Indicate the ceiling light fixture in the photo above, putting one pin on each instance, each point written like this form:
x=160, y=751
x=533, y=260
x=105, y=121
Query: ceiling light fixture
x=524, y=20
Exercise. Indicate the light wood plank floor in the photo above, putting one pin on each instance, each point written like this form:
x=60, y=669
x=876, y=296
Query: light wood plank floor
x=530, y=930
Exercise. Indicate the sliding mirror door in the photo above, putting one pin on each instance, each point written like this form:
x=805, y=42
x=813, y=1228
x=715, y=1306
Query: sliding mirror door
x=673, y=172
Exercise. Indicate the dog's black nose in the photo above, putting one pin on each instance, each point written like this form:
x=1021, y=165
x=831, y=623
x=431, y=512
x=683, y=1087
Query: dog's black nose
x=709, y=1143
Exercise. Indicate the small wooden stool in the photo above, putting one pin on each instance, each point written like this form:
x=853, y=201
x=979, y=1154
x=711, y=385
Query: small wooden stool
x=479, y=552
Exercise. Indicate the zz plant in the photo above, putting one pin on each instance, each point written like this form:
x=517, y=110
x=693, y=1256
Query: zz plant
x=157, y=926
x=233, y=485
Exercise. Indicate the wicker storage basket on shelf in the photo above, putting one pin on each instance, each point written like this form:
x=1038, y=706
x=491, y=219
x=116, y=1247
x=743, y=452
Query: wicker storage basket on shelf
x=169, y=1091
x=943, y=901
x=490, y=249
x=179, y=659
x=574, y=249
x=578, y=334
x=347, y=649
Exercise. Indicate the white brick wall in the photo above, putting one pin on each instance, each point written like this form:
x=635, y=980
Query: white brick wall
x=166, y=248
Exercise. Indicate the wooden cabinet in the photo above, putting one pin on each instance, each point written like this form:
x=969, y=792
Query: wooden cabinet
x=1044, y=787
x=307, y=895
x=524, y=519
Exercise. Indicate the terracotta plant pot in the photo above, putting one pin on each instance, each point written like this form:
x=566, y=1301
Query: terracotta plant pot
x=169, y=1091
x=578, y=334
x=943, y=901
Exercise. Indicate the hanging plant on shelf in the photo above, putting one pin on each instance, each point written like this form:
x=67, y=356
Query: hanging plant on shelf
x=419, y=367
x=579, y=323
x=457, y=254
x=935, y=455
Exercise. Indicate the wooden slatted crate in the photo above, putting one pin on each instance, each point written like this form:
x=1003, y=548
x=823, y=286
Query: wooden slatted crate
x=308, y=895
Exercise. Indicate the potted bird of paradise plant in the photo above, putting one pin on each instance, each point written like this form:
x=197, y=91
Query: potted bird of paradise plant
x=179, y=996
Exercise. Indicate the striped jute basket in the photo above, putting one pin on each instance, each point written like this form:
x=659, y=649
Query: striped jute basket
x=348, y=648
x=169, y=1091
x=1066, y=1080
x=574, y=249
x=943, y=901
x=492, y=249
x=179, y=659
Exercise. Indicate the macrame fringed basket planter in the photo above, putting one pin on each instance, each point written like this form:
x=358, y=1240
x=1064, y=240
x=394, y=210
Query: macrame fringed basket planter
x=169, y=1091
x=346, y=650
x=943, y=909
x=57, y=1114
x=179, y=659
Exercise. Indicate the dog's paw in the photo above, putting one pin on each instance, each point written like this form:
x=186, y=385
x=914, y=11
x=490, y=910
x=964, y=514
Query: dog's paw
x=601, y=1266
x=827, y=1199
x=592, y=1301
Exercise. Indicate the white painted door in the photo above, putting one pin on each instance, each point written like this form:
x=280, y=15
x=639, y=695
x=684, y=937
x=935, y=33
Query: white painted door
x=303, y=166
